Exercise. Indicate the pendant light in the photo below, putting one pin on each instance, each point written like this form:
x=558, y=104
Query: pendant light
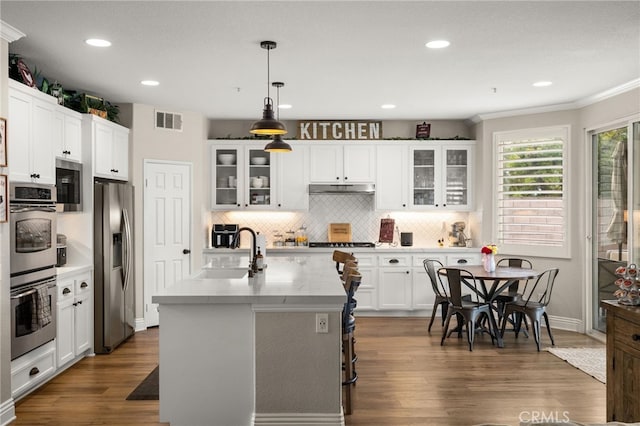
x=268, y=125
x=277, y=144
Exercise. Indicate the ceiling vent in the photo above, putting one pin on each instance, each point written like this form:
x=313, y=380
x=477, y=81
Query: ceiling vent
x=168, y=120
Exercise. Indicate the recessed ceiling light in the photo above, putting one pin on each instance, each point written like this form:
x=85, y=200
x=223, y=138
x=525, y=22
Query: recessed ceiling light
x=437, y=44
x=149, y=83
x=542, y=84
x=387, y=106
x=98, y=42
x=284, y=106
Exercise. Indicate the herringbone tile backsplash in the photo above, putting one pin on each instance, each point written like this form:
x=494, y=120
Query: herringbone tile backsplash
x=357, y=209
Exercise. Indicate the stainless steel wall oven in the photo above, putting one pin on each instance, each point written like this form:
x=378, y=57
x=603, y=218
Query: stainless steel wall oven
x=33, y=256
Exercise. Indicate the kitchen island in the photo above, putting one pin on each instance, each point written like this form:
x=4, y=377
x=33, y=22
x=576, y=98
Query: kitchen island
x=240, y=350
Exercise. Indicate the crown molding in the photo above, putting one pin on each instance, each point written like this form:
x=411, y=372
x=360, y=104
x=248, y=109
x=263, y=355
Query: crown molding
x=9, y=33
x=580, y=103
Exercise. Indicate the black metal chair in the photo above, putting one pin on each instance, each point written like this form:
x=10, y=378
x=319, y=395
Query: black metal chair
x=535, y=299
x=511, y=294
x=471, y=311
x=431, y=267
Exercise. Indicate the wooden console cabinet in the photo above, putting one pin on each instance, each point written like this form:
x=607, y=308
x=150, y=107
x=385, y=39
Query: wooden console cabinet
x=623, y=362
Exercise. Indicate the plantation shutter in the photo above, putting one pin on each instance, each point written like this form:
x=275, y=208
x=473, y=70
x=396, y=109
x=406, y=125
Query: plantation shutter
x=530, y=191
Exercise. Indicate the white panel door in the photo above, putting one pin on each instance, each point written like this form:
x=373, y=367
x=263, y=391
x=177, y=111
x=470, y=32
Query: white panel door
x=167, y=229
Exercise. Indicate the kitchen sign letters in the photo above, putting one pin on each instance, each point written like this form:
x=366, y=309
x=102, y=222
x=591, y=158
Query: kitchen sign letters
x=339, y=130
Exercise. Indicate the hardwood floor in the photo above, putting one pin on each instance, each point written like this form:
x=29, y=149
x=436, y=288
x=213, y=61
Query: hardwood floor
x=405, y=378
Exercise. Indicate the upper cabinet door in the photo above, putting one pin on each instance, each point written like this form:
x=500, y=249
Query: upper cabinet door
x=342, y=163
x=226, y=177
x=292, y=190
x=110, y=149
x=359, y=164
x=30, y=147
x=325, y=164
x=441, y=176
x=392, y=162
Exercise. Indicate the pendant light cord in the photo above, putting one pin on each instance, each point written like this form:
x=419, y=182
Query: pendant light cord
x=268, y=75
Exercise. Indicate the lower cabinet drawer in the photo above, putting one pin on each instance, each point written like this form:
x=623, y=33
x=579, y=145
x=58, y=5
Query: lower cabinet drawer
x=33, y=368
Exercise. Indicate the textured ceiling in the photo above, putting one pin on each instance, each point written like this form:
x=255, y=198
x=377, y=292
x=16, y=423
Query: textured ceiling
x=338, y=59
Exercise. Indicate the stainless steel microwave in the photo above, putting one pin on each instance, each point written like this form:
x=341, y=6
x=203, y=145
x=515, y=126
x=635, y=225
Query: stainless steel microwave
x=69, y=185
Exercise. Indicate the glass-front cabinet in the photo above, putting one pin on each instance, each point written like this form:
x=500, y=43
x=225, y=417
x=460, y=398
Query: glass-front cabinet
x=441, y=177
x=241, y=178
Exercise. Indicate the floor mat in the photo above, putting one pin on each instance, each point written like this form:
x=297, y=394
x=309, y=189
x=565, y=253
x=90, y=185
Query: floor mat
x=592, y=361
x=149, y=388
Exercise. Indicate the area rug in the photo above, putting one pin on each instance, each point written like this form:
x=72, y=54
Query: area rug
x=148, y=389
x=590, y=360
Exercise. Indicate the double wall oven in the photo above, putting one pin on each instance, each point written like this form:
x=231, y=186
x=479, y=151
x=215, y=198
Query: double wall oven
x=32, y=273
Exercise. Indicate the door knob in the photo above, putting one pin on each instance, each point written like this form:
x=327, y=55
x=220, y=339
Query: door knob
x=186, y=251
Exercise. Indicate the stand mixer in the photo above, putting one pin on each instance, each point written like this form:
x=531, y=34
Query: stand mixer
x=457, y=237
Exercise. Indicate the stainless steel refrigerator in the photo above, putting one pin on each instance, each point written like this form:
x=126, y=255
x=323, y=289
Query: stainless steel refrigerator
x=113, y=264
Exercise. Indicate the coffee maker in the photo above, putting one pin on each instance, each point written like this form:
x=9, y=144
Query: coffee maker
x=222, y=236
x=457, y=237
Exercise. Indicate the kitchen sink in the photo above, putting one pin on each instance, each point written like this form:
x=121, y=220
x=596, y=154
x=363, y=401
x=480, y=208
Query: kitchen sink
x=233, y=272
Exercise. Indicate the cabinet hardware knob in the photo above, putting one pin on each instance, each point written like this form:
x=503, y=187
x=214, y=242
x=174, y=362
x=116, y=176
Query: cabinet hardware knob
x=394, y=261
x=66, y=290
x=186, y=251
x=404, y=205
x=34, y=371
x=79, y=302
x=279, y=205
x=407, y=272
x=337, y=177
x=462, y=260
x=635, y=337
x=114, y=170
x=75, y=303
x=84, y=285
x=238, y=205
x=444, y=205
x=345, y=178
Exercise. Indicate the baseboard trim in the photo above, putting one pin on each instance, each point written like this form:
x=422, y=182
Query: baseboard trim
x=302, y=419
x=140, y=324
x=561, y=323
x=7, y=412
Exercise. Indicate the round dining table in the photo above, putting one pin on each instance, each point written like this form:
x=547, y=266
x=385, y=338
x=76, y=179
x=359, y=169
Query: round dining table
x=501, y=278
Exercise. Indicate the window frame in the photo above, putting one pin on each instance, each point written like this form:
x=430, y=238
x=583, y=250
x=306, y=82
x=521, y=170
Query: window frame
x=562, y=132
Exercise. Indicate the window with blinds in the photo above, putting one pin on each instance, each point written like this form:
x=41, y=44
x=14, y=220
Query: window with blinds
x=530, y=192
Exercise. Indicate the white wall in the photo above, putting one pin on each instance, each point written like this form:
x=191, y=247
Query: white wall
x=149, y=143
x=571, y=285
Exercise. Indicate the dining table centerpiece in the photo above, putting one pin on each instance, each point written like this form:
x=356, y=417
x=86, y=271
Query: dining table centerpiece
x=488, y=257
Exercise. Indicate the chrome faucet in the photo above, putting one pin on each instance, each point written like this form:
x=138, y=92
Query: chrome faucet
x=252, y=262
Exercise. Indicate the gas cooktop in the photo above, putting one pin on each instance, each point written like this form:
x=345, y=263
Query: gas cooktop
x=338, y=245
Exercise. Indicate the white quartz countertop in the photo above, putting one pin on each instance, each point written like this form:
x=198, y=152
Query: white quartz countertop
x=381, y=249
x=287, y=280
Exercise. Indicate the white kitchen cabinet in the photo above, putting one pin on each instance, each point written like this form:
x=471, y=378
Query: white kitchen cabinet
x=423, y=296
x=394, y=282
x=33, y=369
x=109, y=145
x=67, y=134
x=464, y=259
x=392, y=181
x=292, y=179
x=342, y=163
x=75, y=320
x=30, y=149
x=242, y=177
x=442, y=176
x=367, y=293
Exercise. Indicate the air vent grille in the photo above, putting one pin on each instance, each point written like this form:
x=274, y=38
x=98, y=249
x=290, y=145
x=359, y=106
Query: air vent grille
x=168, y=120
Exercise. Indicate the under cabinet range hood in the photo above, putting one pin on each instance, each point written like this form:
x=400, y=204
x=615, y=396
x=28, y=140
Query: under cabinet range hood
x=342, y=188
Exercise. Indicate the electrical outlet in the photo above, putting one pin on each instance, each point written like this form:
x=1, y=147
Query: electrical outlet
x=322, y=323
